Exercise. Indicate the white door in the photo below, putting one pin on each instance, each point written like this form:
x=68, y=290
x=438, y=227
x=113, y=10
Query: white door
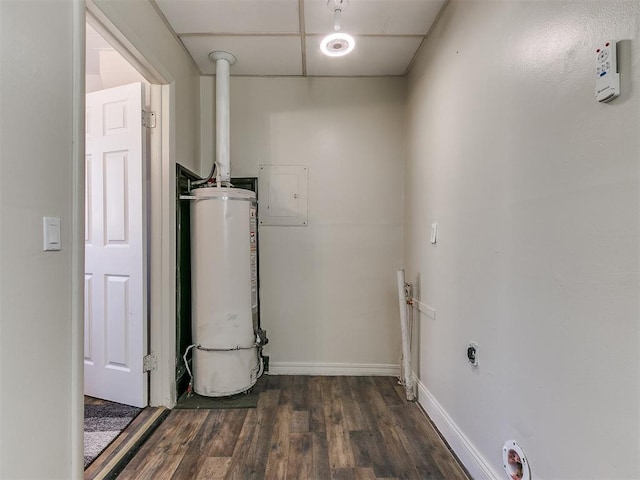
x=115, y=338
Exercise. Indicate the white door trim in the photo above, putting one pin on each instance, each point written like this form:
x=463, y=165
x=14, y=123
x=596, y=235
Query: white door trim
x=162, y=248
x=77, y=244
x=97, y=19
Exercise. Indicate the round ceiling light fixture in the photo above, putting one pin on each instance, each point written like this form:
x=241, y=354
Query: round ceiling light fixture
x=337, y=44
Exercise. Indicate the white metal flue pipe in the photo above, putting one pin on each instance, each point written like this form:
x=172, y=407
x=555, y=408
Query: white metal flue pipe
x=337, y=21
x=407, y=379
x=223, y=61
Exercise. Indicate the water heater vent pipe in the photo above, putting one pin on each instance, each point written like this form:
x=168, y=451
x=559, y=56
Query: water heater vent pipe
x=223, y=61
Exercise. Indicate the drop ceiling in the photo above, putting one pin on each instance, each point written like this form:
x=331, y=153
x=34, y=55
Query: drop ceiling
x=282, y=37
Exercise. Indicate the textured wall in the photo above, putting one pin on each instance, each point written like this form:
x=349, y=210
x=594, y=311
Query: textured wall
x=534, y=186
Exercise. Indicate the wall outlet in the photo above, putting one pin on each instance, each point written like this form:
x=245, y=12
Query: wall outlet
x=472, y=354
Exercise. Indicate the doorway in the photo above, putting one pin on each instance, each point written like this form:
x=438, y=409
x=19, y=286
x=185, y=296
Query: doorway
x=115, y=226
x=115, y=283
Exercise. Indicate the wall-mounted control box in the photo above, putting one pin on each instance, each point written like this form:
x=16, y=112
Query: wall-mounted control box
x=607, y=76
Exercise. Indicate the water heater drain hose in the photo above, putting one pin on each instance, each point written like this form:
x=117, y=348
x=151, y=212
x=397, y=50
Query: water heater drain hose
x=186, y=364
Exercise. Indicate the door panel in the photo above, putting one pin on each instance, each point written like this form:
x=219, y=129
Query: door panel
x=115, y=198
x=115, y=259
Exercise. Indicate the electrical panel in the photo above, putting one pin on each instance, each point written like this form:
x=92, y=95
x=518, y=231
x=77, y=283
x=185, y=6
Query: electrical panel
x=283, y=195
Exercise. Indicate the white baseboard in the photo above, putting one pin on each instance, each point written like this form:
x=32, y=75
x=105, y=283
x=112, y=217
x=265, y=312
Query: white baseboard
x=356, y=369
x=468, y=454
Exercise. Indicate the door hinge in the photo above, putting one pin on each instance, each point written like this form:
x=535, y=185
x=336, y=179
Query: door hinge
x=148, y=119
x=149, y=362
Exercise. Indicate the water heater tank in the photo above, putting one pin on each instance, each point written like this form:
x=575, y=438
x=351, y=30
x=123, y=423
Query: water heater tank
x=224, y=290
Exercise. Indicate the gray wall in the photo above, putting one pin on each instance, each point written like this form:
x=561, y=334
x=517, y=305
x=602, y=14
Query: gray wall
x=534, y=186
x=327, y=290
x=39, y=391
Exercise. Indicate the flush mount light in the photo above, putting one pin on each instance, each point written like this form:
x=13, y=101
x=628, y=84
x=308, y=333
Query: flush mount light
x=337, y=44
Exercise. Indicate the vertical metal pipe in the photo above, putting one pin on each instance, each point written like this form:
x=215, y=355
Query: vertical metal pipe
x=407, y=379
x=223, y=61
x=222, y=119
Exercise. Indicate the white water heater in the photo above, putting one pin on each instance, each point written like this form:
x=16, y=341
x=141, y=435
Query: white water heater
x=224, y=290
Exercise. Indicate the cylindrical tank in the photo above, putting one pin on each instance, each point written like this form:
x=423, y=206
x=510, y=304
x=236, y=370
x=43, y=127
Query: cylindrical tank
x=223, y=289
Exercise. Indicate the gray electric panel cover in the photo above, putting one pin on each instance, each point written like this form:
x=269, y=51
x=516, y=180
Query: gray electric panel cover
x=283, y=195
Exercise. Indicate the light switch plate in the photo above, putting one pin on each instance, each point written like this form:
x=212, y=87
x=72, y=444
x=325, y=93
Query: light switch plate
x=51, y=234
x=434, y=233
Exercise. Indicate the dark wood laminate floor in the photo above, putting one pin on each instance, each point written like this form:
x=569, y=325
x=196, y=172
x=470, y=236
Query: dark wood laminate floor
x=304, y=427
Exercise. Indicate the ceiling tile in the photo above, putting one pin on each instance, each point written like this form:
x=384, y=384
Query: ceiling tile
x=374, y=17
x=231, y=16
x=257, y=55
x=371, y=56
x=262, y=34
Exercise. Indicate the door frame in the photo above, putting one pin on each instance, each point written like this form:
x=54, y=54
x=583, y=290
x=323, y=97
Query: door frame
x=161, y=221
x=161, y=209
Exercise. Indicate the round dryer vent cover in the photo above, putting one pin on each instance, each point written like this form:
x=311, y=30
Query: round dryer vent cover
x=514, y=461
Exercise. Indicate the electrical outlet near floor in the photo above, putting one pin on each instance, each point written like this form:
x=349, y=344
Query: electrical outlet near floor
x=472, y=354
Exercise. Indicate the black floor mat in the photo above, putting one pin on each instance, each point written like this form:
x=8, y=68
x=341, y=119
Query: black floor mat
x=241, y=400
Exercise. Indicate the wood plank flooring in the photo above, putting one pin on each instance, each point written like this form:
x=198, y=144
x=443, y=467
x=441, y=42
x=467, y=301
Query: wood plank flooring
x=94, y=401
x=305, y=427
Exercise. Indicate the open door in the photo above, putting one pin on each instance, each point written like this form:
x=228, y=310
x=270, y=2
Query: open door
x=115, y=338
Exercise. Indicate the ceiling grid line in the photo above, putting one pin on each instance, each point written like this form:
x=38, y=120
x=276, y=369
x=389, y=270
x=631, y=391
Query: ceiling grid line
x=233, y=34
x=303, y=37
x=230, y=34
